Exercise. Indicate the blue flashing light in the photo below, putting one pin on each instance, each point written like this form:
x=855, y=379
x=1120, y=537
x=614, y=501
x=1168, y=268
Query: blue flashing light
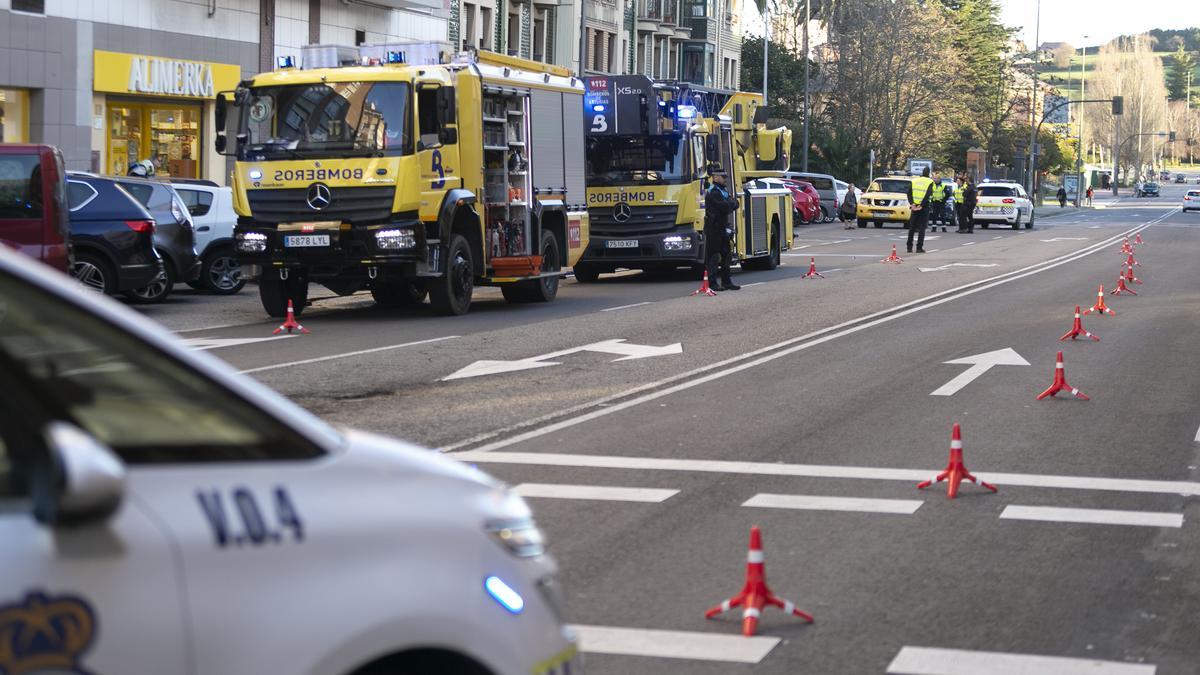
x=255, y=174
x=599, y=107
x=285, y=61
x=686, y=112
x=662, y=104
x=395, y=57
x=504, y=594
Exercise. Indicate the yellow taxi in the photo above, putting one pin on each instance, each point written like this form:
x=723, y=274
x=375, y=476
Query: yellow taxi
x=885, y=201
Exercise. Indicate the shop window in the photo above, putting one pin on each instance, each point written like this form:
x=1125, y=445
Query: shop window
x=169, y=135
x=14, y=116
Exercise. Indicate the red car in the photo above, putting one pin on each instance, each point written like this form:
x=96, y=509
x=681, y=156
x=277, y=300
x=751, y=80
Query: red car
x=33, y=208
x=806, y=200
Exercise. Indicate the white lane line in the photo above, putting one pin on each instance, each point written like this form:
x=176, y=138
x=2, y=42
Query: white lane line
x=1094, y=516
x=203, y=344
x=673, y=644
x=1184, y=488
x=636, y=304
x=349, y=354
x=820, y=503
x=800, y=247
x=999, y=236
x=840, y=269
x=222, y=325
x=754, y=358
x=969, y=243
x=934, y=661
x=604, y=493
x=1197, y=439
x=757, y=283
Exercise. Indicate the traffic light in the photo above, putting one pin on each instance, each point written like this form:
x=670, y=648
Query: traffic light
x=1118, y=104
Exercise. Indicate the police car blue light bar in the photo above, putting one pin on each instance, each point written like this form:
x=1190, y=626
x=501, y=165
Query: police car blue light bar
x=504, y=594
x=685, y=112
x=285, y=61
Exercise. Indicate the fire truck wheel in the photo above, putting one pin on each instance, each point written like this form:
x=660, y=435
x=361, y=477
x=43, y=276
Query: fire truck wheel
x=450, y=294
x=538, y=290
x=586, y=274
x=275, y=293
x=396, y=294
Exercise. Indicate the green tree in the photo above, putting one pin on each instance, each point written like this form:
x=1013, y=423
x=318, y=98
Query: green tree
x=1182, y=64
x=785, y=84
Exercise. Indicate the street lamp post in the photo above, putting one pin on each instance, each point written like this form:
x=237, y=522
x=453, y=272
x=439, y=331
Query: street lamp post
x=1037, y=31
x=1079, y=187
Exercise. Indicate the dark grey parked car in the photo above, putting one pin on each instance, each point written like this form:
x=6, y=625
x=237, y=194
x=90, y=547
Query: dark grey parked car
x=826, y=186
x=174, y=238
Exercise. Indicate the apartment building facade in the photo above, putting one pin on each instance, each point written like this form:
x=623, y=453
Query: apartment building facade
x=112, y=82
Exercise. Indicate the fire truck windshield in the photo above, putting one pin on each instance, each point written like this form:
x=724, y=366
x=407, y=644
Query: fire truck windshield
x=637, y=160
x=326, y=119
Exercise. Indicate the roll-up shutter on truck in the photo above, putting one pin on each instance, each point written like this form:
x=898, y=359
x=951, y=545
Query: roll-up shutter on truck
x=573, y=142
x=546, y=156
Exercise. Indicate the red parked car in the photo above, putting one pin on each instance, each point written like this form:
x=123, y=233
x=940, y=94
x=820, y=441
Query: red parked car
x=806, y=200
x=33, y=204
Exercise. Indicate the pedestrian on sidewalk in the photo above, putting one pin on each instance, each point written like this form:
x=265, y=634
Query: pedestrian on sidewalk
x=920, y=189
x=849, y=210
x=718, y=206
x=966, y=207
x=1090, y=192
x=1062, y=197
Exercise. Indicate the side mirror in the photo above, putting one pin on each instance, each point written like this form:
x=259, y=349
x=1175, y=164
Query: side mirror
x=446, y=106
x=219, y=110
x=83, y=480
x=219, y=142
x=712, y=149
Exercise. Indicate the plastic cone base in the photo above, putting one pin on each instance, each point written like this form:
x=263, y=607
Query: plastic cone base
x=812, y=270
x=956, y=471
x=893, y=258
x=1100, y=307
x=1130, y=278
x=1060, y=383
x=290, y=324
x=755, y=594
x=1077, y=329
x=704, y=288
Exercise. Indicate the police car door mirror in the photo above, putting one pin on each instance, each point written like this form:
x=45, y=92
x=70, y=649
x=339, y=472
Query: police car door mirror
x=84, y=480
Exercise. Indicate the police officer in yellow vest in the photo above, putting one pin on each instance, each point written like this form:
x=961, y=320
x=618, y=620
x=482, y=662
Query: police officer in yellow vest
x=937, y=204
x=920, y=191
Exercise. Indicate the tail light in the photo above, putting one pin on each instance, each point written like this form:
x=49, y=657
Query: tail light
x=141, y=226
x=1010, y=201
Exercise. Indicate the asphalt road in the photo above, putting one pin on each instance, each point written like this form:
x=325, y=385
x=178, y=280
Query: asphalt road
x=791, y=392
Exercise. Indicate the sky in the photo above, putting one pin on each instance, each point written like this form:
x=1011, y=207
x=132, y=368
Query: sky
x=1100, y=20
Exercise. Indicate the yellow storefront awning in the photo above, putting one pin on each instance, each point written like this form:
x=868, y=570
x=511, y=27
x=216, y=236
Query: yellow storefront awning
x=136, y=74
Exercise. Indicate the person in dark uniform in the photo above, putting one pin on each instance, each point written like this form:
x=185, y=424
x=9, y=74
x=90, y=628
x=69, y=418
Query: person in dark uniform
x=718, y=205
x=966, y=208
x=920, y=191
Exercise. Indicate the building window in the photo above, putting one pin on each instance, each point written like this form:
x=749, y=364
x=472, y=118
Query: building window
x=513, y=34
x=539, y=36
x=598, y=51
x=167, y=133
x=31, y=6
x=468, y=23
x=360, y=37
x=14, y=116
x=609, y=53
x=485, y=24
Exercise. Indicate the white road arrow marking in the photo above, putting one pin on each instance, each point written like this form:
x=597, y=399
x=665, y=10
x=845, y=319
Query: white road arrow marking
x=1050, y=241
x=217, y=343
x=980, y=364
x=627, y=351
x=946, y=267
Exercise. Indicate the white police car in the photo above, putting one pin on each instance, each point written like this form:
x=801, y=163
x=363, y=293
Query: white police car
x=1003, y=202
x=161, y=514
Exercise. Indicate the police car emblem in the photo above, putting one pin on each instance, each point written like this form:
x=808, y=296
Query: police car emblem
x=45, y=633
x=319, y=196
x=622, y=212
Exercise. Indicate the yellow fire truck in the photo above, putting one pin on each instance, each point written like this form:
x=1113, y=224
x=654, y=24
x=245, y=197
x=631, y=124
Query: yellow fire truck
x=650, y=146
x=399, y=170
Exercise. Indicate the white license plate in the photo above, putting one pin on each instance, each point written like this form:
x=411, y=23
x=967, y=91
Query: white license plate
x=621, y=243
x=301, y=240
x=989, y=208
x=881, y=214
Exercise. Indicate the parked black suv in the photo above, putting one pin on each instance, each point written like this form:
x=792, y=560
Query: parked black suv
x=111, y=234
x=173, y=237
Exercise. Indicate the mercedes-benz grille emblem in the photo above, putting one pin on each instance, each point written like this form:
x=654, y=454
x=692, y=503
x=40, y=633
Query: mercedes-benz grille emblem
x=622, y=212
x=319, y=196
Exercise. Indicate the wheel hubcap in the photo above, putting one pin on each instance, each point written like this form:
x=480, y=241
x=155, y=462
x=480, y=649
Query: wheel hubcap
x=461, y=283
x=154, y=288
x=225, y=273
x=89, y=275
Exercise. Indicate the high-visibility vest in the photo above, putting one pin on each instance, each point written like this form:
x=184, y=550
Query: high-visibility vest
x=939, y=192
x=920, y=186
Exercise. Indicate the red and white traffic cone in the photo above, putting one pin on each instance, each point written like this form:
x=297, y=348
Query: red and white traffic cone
x=1125, y=247
x=1100, y=307
x=893, y=258
x=812, y=270
x=1130, y=262
x=290, y=324
x=1077, y=329
x=1129, y=278
x=1060, y=383
x=955, y=471
x=755, y=594
x=1121, y=287
x=1138, y=239
x=704, y=289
